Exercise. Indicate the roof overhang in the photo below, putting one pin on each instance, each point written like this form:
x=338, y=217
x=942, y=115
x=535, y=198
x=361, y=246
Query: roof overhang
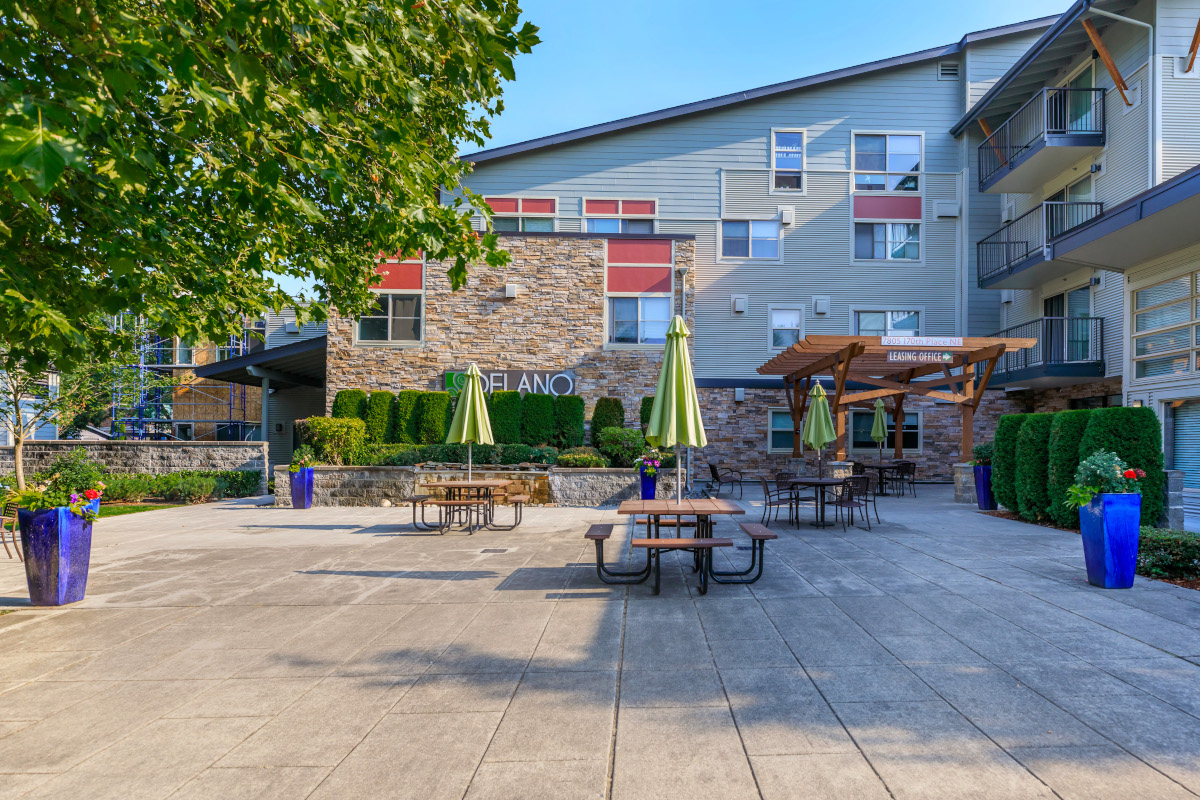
x=297, y=364
x=1157, y=222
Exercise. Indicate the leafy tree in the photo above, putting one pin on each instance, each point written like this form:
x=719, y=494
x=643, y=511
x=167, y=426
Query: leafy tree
x=173, y=159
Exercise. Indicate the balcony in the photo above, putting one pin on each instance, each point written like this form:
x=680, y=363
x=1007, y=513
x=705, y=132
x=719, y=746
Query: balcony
x=1070, y=350
x=1048, y=134
x=1014, y=257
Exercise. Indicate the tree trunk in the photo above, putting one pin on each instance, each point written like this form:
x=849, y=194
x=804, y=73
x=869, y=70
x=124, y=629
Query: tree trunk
x=19, y=459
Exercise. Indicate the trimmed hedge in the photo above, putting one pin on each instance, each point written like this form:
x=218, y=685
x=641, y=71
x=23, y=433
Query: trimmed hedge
x=1004, y=460
x=334, y=440
x=1169, y=554
x=622, y=446
x=403, y=425
x=581, y=457
x=1031, y=457
x=504, y=408
x=434, y=411
x=568, y=421
x=379, y=416
x=609, y=413
x=350, y=404
x=1066, y=431
x=1135, y=435
x=537, y=419
x=644, y=412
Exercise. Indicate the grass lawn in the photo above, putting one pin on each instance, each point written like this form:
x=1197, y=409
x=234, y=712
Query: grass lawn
x=120, y=509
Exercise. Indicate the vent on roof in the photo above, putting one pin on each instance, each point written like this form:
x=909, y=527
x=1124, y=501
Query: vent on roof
x=947, y=70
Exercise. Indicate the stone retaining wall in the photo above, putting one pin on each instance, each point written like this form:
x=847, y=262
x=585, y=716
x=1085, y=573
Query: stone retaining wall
x=148, y=457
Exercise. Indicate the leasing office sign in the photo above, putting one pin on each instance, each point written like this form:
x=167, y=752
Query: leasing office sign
x=530, y=380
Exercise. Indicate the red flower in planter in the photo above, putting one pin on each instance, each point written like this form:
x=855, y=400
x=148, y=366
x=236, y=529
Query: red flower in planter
x=91, y=494
x=1130, y=473
x=1140, y=473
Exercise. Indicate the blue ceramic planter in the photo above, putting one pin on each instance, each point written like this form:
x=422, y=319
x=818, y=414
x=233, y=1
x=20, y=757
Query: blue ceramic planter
x=983, y=488
x=302, y=485
x=57, y=545
x=649, y=484
x=1109, y=525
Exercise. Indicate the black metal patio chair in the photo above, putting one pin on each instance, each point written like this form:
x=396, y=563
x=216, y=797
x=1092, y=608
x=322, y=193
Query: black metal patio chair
x=721, y=477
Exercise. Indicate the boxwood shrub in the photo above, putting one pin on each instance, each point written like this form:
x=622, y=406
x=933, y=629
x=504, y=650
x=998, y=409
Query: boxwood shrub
x=433, y=417
x=349, y=403
x=1066, y=431
x=1170, y=554
x=334, y=440
x=644, y=412
x=568, y=421
x=581, y=457
x=622, y=446
x=379, y=416
x=1031, y=456
x=504, y=409
x=1135, y=435
x=609, y=413
x=1004, y=467
x=403, y=425
x=537, y=419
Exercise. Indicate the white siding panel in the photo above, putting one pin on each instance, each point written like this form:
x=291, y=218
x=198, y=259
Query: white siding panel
x=1108, y=301
x=1177, y=25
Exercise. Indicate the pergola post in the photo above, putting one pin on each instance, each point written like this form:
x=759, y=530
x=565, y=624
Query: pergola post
x=898, y=422
x=968, y=415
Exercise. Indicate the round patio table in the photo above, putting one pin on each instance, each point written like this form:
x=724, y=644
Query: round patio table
x=883, y=467
x=819, y=484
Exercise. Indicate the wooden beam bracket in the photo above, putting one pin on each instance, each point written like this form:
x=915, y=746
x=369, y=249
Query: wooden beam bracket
x=1107, y=58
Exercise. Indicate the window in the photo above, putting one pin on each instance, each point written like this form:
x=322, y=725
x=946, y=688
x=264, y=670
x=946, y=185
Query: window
x=887, y=241
x=887, y=323
x=523, y=224
x=785, y=326
x=756, y=239
x=395, y=318
x=887, y=162
x=779, y=433
x=523, y=214
x=787, y=160
x=861, y=423
x=638, y=320
x=1168, y=314
x=614, y=225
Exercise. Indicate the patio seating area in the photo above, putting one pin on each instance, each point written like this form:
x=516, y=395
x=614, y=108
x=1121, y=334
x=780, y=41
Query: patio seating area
x=231, y=650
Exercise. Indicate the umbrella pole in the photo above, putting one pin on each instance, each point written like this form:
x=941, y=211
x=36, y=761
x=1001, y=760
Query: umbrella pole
x=678, y=476
x=468, y=461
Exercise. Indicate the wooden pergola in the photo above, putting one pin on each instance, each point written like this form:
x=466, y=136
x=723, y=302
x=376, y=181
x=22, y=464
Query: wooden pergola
x=953, y=369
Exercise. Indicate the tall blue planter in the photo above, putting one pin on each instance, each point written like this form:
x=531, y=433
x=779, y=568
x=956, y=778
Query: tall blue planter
x=57, y=545
x=302, y=486
x=649, y=483
x=983, y=488
x=1109, y=525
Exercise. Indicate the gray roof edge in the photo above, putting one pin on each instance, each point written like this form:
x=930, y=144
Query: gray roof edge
x=262, y=356
x=699, y=106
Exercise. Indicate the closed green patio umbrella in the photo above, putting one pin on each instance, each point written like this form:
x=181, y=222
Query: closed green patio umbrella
x=675, y=417
x=879, y=426
x=471, y=423
x=818, y=425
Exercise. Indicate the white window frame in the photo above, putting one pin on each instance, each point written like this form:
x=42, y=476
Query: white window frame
x=522, y=215
x=919, y=174
x=639, y=296
x=874, y=448
x=1191, y=351
x=771, y=309
x=803, y=171
x=608, y=295
x=740, y=259
x=920, y=223
x=771, y=449
x=879, y=309
x=398, y=343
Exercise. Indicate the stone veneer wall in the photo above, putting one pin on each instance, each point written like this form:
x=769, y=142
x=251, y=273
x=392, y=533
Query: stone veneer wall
x=148, y=457
x=556, y=323
x=1048, y=400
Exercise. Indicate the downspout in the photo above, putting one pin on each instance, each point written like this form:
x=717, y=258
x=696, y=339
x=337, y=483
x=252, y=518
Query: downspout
x=1151, y=97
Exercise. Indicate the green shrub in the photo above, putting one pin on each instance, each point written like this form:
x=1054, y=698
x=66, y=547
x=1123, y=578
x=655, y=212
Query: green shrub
x=374, y=455
x=647, y=407
x=349, y=404
x=515, y=453
x=179, y=487
x=1169, y=554
x=445, y=453
x=403, y=425
x=234, y=482
x=504, y=409
x=334, y=440
x=568, y=420
x=433, y=417
x=128, y=488
x=1031, y=457
x=69, y=472
x=622, y=446
x=544, y=455
x=1066, y=431
x=405, y=456
x=379, y=417
x=982, y=453
x=581, y=457
x=1004, y=465
x=537, y=419
x=609, y=413
x=1135, y=435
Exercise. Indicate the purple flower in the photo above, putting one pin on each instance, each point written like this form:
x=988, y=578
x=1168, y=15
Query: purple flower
x=74, y=498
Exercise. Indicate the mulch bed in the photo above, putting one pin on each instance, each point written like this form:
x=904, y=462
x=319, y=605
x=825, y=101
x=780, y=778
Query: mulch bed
x=1017, y=518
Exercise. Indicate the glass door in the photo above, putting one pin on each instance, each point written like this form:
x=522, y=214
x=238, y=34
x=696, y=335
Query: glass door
x=1080, y=116
x=1067, y=325
x=1065, y=208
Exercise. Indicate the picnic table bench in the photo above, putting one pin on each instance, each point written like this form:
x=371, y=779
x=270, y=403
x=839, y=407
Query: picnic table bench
x=702, y=547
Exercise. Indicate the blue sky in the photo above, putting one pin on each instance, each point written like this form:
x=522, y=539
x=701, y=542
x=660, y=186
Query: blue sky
x=606, y=59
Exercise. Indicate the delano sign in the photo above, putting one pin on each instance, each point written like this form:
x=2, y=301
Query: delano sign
x=536, y=381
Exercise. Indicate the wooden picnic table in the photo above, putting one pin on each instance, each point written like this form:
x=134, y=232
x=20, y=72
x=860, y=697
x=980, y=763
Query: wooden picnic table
x=703, y=509
x=473, y=490
x=883, y=467
x=819, y=484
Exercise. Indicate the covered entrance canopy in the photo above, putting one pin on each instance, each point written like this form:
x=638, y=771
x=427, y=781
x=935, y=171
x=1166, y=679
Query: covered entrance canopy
x=953, y=369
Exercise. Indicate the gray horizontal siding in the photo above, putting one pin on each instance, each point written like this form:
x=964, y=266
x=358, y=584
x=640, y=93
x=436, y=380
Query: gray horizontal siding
x=1176, y=25
x=1180, y=118
x=986, y=62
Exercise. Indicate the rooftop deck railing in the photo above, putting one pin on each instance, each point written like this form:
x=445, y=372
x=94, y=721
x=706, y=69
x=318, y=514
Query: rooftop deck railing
x=1054, y=110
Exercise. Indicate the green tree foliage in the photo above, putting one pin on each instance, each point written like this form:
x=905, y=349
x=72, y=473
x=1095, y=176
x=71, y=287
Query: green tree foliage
x=1004, y=464
x=172, y=159
x=568, y=421
x=379, y=416
x=1066, y=431
x=404, y=418
x=1135, y=435
x=349, y=404
x=1031, y=460
x=433, y=417
x=609, y=413
x=537, y=419
x=504, y=410
x=647, y=407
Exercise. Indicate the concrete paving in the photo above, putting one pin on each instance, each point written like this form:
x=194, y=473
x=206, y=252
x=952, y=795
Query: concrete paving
x=236, y=651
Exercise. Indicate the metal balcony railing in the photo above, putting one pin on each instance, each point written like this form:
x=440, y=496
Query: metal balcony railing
x=1026, y=235
x=1053, y=111
x=1060, y=340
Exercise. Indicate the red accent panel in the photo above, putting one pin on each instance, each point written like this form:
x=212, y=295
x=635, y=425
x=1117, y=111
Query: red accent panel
x=602, y=206
x=639, y=251
x=637, y=207
x=887, y=207
x=529, y=206
x=639, y=279
x=503, y=205
x=400, y=275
